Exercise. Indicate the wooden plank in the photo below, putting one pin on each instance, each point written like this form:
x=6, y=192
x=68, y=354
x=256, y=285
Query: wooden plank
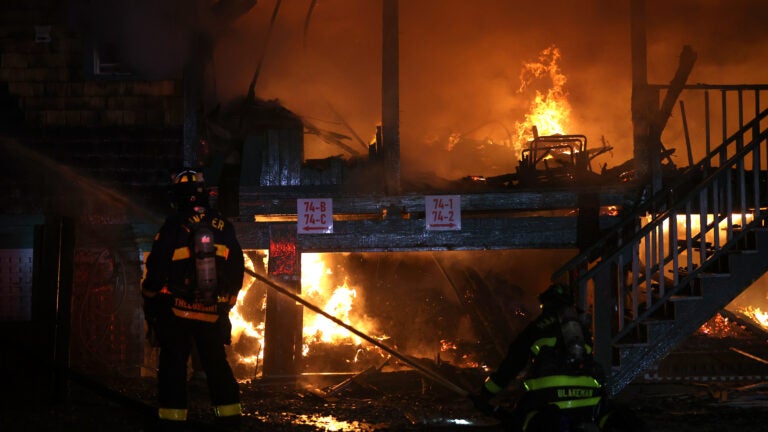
x=411, y=235
x=255, y=201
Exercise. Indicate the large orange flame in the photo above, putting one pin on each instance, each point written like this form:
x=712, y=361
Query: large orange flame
x=550, y=111
x=319, y=288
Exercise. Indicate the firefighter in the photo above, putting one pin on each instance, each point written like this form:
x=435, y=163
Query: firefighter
x=562, y=384
x=193, y=274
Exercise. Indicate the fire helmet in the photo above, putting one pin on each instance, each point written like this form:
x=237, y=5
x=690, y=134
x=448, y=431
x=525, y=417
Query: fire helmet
x=556, y=295
x=188, y=189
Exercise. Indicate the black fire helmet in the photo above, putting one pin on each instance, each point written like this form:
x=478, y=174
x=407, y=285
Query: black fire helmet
x=556, y=295
x=188, y=189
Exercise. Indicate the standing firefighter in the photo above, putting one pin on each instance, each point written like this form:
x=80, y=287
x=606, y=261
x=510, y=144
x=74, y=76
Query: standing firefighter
x=194, y=272
x=563, y=385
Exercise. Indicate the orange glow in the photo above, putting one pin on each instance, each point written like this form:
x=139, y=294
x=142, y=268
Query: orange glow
x=241, y=327
x=719, y=326
x=757, y=315
x=446, y=345
x=550, y=111
x=319, y=288
x=695, y=228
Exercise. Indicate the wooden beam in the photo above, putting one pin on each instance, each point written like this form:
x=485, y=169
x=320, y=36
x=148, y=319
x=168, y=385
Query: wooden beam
x=402, y=235
x=282, y=201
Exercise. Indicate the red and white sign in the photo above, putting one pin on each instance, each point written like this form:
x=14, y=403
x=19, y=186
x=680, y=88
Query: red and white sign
x=443, y=212
x=315, y=216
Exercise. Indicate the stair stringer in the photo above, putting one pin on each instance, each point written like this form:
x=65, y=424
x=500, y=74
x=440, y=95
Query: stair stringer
x=689, y=313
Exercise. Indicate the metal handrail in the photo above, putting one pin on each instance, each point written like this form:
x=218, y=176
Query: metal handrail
x=657, y=201
x=646, y=252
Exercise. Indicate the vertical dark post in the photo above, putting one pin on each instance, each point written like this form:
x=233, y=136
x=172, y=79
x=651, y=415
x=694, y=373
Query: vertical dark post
x=194, y=91
x=390, y=96
x=52, y=302
x=642, y=109
x=588, y=220
x=602, y=320
x=283, y=321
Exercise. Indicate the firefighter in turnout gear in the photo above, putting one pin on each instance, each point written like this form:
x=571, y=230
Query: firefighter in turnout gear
x=562, y=384
x=193, y=274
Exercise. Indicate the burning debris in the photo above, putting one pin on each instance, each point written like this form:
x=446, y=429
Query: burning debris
x=723, y=326
x=451, y=312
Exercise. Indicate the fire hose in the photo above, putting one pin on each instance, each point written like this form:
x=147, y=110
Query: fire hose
x=428, y=373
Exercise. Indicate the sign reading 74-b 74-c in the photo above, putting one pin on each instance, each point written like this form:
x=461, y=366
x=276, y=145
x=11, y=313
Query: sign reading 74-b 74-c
x=443, y=212
x=315, y=215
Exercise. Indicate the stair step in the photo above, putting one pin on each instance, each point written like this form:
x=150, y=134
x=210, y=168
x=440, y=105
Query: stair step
x=708, y=275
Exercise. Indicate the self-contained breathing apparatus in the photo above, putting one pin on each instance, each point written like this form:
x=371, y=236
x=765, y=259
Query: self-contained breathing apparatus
x=572, y=323
x=571, y=326
x=188, y=191
x=205, y=266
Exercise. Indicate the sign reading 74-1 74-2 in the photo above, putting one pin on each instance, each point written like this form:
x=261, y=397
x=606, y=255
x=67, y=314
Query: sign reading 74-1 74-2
x=443, y=212
x=315, y=216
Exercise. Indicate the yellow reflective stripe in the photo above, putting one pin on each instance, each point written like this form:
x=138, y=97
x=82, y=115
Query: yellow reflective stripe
x=181, y=253
x=200, y=316
x=492, y=386
x=229, y=300
x=227, y=410
x=560, y=381
x=172, y=414
x=222, y=250
x=528, y=418
x=604, y=420
x=577, y=403
x=536, y=347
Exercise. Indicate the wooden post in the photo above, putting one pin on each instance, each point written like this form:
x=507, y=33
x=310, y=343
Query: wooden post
x=283, y=320
x=390, y=96
x=642, y=108
x=52, y=303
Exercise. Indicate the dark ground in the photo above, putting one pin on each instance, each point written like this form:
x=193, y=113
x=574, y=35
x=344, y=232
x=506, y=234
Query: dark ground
x=399, y=401
x=708, y=384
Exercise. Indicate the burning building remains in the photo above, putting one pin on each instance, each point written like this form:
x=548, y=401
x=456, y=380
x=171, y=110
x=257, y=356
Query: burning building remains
x=430, y=244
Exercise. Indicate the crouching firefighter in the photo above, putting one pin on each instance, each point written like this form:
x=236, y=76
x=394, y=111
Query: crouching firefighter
x=562, y=384
x=193, y=274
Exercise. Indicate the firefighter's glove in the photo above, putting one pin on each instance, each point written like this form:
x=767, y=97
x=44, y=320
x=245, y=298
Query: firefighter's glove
x=482, y=402
x=225, y=325
x=154, y=307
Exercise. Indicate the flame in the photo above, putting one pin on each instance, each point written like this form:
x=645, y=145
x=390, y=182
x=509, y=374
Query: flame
x=757, y=315
x=550, y=112
x=681, y=222
x=319, y=287
x=718, y=326
x=241, y=326
x=446, y=345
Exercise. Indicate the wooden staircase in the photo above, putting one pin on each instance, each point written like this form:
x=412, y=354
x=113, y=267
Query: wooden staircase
x=678, y=258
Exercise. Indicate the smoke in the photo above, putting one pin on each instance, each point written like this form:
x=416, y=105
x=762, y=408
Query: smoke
x=460, y=61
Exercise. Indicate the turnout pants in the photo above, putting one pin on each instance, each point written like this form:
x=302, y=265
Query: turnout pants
x=176, y=336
